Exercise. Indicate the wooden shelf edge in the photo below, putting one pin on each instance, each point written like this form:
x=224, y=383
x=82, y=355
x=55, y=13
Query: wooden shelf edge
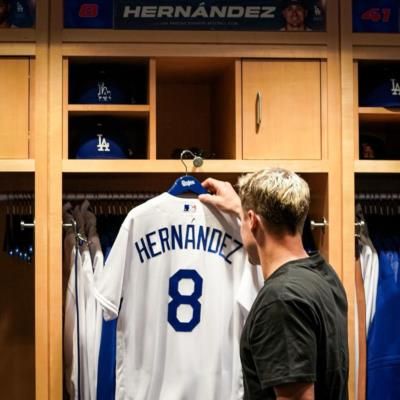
x=18, y=35
x=169, y=36
x=120, y=109
x=376, y=39
x=17, y=165
x=379, y=110
x=380, y=52
x=17, y=49
x=377, y=166
x=379, y=114
x=175, y=166
x=236, y=50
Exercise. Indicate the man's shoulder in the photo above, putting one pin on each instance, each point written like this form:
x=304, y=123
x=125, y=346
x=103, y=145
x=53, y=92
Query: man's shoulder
x=305, y=279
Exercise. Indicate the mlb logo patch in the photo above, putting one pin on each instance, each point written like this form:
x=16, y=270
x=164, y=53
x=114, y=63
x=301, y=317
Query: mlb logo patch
x=189, y=208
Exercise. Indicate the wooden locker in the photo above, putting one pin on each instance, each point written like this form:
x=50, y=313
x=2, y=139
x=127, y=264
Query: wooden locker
x=282, y=109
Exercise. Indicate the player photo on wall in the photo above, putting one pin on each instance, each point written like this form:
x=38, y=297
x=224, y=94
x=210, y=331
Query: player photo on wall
x=17, y=13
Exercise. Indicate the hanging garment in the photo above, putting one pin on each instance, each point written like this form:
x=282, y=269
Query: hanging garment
x=360, y=334
x=75, y=321
x=383, y=342
x=94, y=315
x=369, y=261
x=76, y=317
x=178, y=279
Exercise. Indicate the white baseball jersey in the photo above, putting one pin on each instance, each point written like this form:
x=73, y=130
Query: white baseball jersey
x=179, y=279
x=370, y=272
x=71, y=343
x=95, y=317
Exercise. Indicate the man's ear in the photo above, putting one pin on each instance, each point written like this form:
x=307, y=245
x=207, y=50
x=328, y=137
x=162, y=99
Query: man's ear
x=254, y=219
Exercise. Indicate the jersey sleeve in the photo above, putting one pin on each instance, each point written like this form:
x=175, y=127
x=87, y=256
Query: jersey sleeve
x=283, y=342
x=109, y=284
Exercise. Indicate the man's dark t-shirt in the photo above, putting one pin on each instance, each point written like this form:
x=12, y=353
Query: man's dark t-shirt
x=296, y=331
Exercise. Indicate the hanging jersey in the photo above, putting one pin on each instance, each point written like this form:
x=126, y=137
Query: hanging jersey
x=93, y=322
x=75, y=350
x=180, y=273
x=383, y=340
x=370, y=272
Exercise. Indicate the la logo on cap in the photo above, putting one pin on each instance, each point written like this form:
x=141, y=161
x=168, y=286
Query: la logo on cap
x=395, y=87
x=102, y=144
x=103, y=93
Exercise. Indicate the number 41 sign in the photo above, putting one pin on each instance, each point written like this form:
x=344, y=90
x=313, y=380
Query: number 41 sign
x=376, y=16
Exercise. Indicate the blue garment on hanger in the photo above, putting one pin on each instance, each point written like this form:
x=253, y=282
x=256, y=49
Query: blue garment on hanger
x=106, y=372
x=383, y=344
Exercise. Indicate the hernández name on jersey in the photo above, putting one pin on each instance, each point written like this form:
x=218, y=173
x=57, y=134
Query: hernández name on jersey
x=187, y=237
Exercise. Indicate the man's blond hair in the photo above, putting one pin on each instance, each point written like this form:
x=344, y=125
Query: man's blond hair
x=280, y=196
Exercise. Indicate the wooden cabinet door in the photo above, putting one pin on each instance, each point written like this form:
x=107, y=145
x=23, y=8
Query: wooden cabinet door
x=14, y=107
x=281, y=109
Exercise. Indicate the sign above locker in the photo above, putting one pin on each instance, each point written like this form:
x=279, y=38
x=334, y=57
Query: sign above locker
x=376, y=16
x=250, y=15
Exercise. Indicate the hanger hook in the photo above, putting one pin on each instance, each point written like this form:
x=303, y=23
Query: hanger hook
x=197, y=160
x=183, y=162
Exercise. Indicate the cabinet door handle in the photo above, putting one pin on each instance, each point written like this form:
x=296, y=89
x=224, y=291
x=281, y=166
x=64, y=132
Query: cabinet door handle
x=258, y=110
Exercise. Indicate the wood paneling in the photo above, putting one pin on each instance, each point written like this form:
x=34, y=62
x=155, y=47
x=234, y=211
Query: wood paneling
x=192, y=50
x=17, y=320
x=14, y=108
x=290, y=109
x=224, y=113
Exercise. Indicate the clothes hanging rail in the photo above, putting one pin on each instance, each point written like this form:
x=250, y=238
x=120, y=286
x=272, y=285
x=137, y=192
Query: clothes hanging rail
x=16, y=196
x=361, y=196
x=109, y=196
x=83, y=196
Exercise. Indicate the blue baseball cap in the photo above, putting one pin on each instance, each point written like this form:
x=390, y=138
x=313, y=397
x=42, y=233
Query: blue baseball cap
x=380, y=86
x=103, y=91
x=101, y=147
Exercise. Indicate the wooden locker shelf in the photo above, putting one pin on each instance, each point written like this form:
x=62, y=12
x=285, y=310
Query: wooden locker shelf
x=379, y=114
x=17, y=165
x=377, y=166
x=17, y=49
x=119, y=49
x=111, y=35
x=18, y=35
x=384, y=52
x=175, y=166
x=119, y=110
x=376, y=39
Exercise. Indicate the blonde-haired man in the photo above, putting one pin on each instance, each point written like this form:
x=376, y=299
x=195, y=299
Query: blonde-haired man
x=294, y=343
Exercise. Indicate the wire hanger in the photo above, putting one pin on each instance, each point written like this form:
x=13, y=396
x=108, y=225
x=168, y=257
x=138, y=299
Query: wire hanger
x=187, y=183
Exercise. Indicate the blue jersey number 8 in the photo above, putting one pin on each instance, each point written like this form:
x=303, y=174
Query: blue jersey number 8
x=178, y=299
